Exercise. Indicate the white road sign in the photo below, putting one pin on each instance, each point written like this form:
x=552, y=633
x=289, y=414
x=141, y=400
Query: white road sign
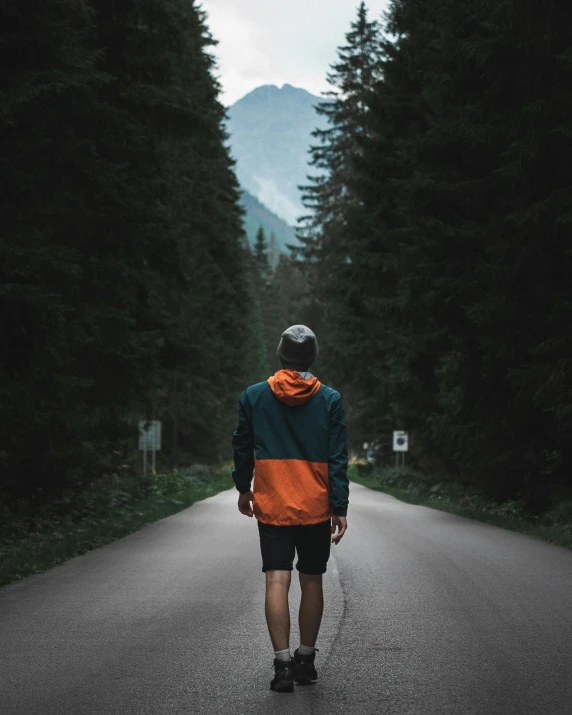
x=400, y=441
x=150, y=436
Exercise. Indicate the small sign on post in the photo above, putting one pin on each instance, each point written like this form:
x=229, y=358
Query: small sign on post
x=400, y=445
x=149, y=440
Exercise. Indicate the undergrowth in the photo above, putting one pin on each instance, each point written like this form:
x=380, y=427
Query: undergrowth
x=34, y=540
x=415, y=487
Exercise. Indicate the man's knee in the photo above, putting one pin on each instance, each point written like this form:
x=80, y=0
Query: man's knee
x=278, y=576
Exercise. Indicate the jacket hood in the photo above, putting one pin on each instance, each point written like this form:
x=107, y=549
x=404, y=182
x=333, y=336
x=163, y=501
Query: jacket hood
x=291, y=388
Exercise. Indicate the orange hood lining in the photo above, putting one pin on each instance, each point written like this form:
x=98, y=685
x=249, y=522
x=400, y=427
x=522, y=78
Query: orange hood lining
x=291, y=388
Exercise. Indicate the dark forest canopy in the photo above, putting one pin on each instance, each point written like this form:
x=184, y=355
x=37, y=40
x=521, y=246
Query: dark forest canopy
x=439, y=244
x=123, y=262
x=434, y=266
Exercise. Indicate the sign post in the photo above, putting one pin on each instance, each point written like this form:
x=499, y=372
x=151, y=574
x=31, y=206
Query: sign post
x=177, y=379
x=149, y=439
x=400, y=446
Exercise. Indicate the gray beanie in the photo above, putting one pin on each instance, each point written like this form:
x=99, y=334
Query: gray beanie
x=298, y=346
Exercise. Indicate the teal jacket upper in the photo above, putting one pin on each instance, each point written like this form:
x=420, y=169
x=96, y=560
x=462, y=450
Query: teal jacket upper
x=291, y=435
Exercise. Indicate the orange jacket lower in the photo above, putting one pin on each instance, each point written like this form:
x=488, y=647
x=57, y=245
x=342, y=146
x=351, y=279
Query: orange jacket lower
x=285, y=491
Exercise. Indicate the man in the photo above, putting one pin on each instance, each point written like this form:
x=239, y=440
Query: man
x=292, y=434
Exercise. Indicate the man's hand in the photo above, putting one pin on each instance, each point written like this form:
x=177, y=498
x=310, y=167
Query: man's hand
x=244, y=506
x=342, y=524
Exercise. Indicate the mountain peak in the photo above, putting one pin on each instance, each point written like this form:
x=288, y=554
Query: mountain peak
x=286, y=91
x=270, y=132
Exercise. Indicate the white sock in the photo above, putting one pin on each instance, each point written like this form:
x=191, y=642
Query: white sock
x=283, y=654
x=305, y=649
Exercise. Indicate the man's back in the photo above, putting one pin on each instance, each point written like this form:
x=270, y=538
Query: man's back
x=296, y=428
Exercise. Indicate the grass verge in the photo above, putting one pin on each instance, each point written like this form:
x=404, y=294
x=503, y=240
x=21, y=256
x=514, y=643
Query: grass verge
x=413, y=487
x=112, y=508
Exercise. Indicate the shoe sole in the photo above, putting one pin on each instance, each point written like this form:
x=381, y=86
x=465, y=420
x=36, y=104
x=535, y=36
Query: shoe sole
x=283, y=687
x=305, y=681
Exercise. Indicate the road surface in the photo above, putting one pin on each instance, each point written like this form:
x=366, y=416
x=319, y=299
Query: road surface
x=425, y=613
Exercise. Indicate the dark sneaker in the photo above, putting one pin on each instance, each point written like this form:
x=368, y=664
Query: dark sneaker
x=304, y=671
x=283, y=680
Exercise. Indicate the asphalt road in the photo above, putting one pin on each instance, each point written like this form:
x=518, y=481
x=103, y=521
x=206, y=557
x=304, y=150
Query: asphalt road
x=425, y=613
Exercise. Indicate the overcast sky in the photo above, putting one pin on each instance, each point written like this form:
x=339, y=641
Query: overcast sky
x=279, y=41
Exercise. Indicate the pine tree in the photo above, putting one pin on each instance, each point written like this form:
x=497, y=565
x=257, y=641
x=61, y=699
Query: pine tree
x=257, y=357
x=266, y=297
x=209, y=259
x=329, y=242
x=345, y=107
x=261, y=259
x=289, y=303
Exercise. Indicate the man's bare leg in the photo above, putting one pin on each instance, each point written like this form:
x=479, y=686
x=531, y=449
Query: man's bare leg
x=311, y=608
x=276, y=607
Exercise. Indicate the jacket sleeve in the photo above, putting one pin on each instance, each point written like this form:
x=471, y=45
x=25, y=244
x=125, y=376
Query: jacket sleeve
x=338, y=460
x=243, y=447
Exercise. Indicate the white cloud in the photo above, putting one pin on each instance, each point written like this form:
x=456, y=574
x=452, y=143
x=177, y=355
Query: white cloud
x=271, y=42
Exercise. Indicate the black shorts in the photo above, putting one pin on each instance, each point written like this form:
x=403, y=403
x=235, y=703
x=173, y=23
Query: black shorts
x=311, y=541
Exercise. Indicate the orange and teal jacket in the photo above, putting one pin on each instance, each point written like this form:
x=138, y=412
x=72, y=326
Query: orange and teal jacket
x=292, y=434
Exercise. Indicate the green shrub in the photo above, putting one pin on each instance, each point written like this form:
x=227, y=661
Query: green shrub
x=561, y=514
x=365, y=468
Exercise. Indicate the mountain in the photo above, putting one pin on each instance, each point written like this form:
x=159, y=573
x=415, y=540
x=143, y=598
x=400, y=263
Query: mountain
x=259, y=215
x=270, y=136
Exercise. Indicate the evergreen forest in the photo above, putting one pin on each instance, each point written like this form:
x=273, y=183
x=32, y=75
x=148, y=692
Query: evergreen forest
x=438, y=245
x=434, y=261
x=126, y=286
